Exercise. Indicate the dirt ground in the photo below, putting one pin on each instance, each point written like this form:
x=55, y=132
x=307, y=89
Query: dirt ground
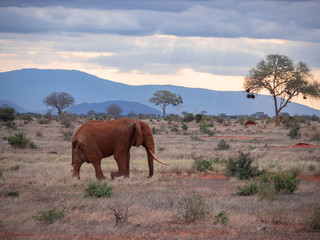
x=42, y=179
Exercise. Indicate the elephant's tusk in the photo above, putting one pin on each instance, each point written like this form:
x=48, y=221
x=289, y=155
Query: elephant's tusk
x=155, y=158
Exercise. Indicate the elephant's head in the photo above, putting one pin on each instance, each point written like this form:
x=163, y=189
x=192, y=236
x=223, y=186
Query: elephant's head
x=144, y=137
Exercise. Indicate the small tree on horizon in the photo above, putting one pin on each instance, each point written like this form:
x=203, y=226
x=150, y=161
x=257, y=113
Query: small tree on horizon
x=114, y=110
x=163, y=98
x=59, y=100
x=283, y=80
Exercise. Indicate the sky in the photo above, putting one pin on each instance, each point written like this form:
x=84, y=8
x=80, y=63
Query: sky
x=208, y=44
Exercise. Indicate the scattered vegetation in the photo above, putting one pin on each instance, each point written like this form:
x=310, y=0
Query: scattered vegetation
x=191, y=209
x=98, y=189
x=13, y=194
x=222, y=217
x=269, y=185
x=20, y=140
x=285, y=182
x=222, y=145
x=7, y=114
x=120, y=213
x=201, y=164
x=295, y=132
x=250, y=188
x=204, y=128
x=49, y=216
x=241, y=166
x=313, y=221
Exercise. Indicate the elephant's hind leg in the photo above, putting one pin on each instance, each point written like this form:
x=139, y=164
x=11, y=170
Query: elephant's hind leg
x=123, y=165
x=76, y=162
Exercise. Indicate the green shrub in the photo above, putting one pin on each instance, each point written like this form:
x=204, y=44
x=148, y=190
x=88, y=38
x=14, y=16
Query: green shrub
x=13, y=194
x=286, y=182
x=7, y=114
x=202, y=164
x=222, y=217
x=266, y=188
x=313, y=221
x=247, y=189
x=184, y=127
x=241, y=167
x=173, y=128
x=198, y=117
x=295, y=132
x=19, y=140
x=204, y=128
x=188, y=117
x=26, y=118
x=98, y=189
x=49, y=216
x=191, y=209
x=223, y=145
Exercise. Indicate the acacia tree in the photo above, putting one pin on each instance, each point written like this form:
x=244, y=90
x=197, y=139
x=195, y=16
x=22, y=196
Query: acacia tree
x=283, y=80
x=163, y=98
x=59, y=100
x=114, y=110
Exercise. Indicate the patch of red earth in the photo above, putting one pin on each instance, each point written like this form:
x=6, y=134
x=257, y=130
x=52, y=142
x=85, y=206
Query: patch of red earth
x=302, y=145
x=211, y=176
x=309, y=178
x=231, y=137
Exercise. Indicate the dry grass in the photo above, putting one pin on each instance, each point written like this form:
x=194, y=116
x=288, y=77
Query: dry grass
x=42, y=177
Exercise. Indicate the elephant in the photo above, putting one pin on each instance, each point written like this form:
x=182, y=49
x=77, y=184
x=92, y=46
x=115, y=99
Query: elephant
x=95, y=140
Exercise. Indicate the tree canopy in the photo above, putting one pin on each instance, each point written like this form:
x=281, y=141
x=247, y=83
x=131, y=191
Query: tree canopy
x=283, y=80
x=114, y=110
x=59, y=100
x=163, y=98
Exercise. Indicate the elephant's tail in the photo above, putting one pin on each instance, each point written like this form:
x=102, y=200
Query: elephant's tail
x=78, y=150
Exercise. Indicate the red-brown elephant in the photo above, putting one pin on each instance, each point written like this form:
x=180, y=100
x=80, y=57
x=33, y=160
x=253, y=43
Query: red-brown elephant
x=95, y=140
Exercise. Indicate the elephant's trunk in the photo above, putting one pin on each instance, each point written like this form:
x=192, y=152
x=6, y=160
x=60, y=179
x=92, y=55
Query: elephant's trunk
x=150, y=162
x=151, y=156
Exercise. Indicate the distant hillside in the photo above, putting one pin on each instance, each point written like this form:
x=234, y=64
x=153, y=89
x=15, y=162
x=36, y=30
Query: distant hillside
x=4, y=103
x=126, y=107
x=28, y=87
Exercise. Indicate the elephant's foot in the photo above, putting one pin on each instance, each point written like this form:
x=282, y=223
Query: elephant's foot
x=76, y=175
x=101, y=177
x=118, y=174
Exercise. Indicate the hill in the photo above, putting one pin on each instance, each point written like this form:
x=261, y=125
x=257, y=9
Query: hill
x=28, y=87
x=126, y=107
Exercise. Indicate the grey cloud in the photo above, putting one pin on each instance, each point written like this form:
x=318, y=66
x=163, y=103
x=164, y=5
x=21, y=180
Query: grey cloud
x=291, y=20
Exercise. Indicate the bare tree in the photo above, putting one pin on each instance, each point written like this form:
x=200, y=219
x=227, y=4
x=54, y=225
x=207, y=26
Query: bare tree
x=114, y=110
x=163, y=98
x=59, y=100
x=284, y=81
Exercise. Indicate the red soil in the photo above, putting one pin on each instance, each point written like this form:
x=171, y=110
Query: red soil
x=302, y=145
x=309, y=178
x=232, y=137
x=250, y=122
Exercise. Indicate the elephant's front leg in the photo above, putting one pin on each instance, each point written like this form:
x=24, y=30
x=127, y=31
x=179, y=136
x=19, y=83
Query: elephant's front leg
x=122, y=160
x=98, y=170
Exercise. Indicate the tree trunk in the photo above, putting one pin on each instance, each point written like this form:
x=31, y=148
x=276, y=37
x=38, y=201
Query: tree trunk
x=164, y=112
x=277, y=111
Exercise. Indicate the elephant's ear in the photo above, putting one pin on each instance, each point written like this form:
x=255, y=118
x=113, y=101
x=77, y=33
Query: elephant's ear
x=138, y=134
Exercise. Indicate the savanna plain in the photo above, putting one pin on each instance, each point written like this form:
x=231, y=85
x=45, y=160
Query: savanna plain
x=37, y=181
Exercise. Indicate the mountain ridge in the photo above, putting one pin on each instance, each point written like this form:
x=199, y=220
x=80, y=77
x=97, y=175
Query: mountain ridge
x=28, y=87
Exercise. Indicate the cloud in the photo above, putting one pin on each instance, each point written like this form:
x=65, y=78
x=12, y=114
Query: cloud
x=289, y=20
